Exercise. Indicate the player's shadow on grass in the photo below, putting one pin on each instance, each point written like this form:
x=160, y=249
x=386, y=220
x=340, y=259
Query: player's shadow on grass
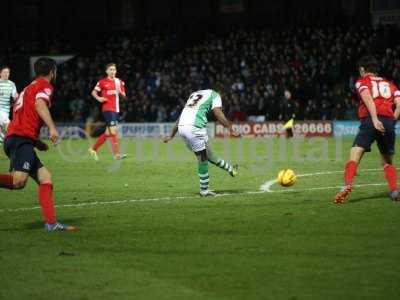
x=39, y=224
x=376, y=196
x=222, y=192
x=24, y=227
x=239, y=191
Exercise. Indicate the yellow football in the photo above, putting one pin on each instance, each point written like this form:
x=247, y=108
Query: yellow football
x=287, y=177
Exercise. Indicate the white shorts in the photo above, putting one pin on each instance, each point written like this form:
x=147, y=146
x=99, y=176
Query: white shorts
x=4, y=118
x=195, y=138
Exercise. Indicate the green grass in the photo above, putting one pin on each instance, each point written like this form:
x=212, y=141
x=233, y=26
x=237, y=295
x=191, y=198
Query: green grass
x=282, y=245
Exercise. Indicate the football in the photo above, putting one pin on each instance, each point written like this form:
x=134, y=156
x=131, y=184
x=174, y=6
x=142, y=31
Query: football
x=287, y=177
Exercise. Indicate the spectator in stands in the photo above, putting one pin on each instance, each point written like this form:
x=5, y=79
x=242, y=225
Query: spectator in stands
x=253, y=66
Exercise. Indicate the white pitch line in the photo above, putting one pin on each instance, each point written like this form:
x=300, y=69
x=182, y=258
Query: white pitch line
x=268, y=184
x=324, y=188
x=97, y=203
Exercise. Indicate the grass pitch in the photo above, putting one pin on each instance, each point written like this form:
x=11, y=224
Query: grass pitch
x=145, y=234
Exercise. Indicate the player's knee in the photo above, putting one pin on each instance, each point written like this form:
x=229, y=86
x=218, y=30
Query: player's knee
x=387, y=162
x=19, y=180
x=46, y=180
x=202, y=155
x=19, y=183
x=387, y=159
x=356, y=153
x=113, y=130
x=44, y=176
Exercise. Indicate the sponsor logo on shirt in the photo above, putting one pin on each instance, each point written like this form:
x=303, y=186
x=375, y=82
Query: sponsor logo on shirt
x=26, y=166
x=47, y=91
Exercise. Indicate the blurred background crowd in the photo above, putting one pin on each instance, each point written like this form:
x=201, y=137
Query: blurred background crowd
x=251, y=68
x=251, y=51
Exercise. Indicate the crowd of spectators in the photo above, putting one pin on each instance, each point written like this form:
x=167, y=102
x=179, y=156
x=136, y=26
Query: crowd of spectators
x=251, y=68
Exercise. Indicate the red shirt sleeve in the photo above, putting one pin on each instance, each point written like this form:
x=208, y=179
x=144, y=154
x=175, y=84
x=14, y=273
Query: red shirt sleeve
x=361, y=85
x=98, y=86
x=45, y=93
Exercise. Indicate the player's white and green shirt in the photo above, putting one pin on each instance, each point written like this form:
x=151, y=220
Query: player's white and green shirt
x=8, y=90
x=197, y=107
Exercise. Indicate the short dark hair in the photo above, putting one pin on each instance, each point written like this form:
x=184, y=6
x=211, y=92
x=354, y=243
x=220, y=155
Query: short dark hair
x=4, y=67
x=44, y=65
x=111, y=65
x=369, y=63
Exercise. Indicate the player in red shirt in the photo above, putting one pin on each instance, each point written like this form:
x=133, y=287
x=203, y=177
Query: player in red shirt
x=111, y=89
x=378, y=97
x=30, y=113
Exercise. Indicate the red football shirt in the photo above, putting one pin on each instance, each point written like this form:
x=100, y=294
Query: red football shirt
x=110, y=89
x=382, y=91
x=26, y=121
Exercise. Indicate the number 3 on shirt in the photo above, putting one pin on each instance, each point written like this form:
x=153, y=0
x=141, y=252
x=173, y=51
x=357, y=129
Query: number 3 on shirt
x=193, y=99
x=381, y=89
x=20, y=102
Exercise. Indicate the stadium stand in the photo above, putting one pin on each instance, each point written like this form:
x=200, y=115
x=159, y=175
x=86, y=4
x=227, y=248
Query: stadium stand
x=252, y=67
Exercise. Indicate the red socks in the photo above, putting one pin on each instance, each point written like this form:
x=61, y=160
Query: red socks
x=6, y=181
x=114, y=142
x=45, y=197
x=100, y=141
x=391, y=176
x=389, y=170
x=46, y=202
x=350, y=172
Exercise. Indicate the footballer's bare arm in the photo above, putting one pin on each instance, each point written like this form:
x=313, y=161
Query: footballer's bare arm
x=44, y=113
x=41, y=146
x=219, y=114
x=370, y=104
x=95, y=95
x=173, y=132
x=397, y=110
x=123, y=95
